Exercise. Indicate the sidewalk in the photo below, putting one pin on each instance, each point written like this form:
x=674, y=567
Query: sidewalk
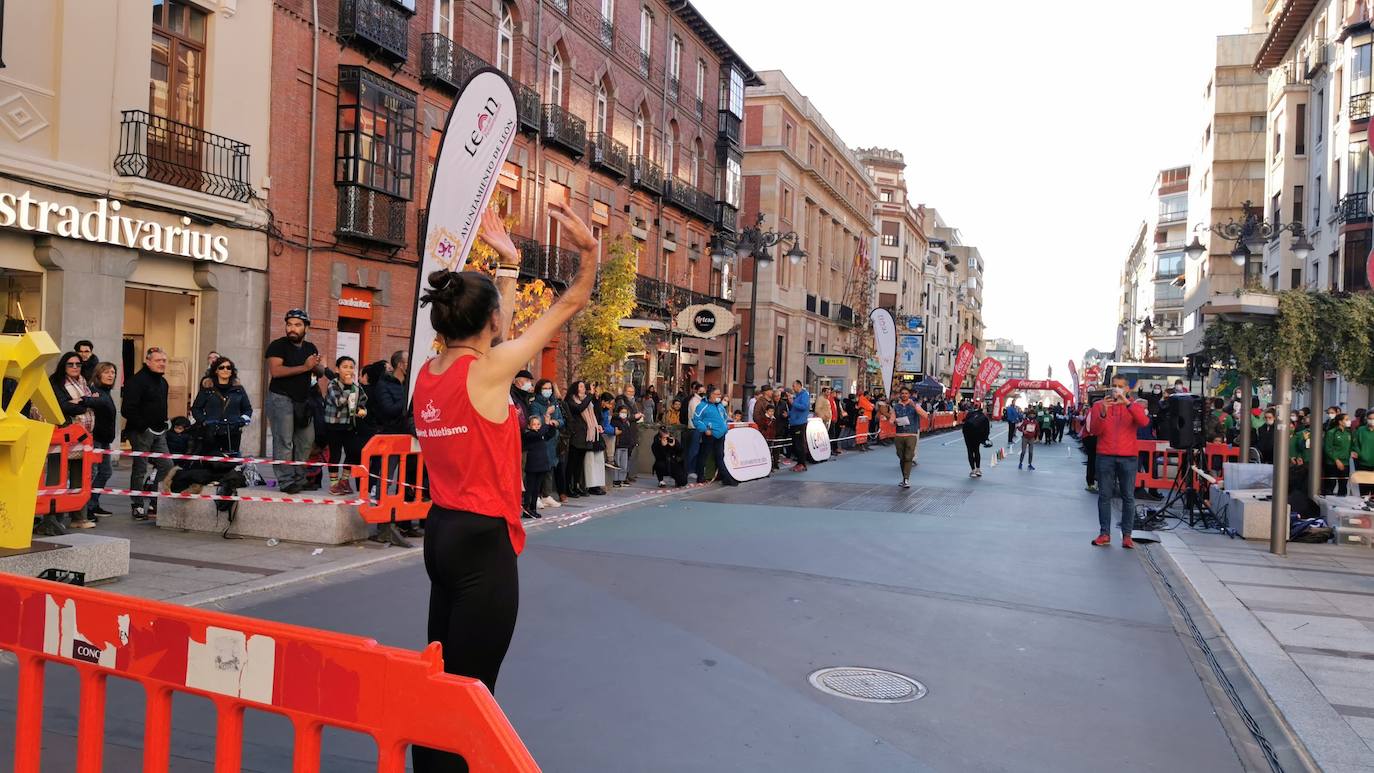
x=1304, y=625
x=195, y=568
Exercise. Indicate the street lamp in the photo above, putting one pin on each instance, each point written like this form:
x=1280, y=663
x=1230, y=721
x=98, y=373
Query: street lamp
x=758, y=243
x=1250, y=234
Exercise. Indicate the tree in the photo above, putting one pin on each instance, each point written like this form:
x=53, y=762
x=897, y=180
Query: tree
x=605, y=341
x=531, y=299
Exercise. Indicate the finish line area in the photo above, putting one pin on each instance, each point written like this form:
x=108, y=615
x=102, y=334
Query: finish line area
x=681, y=634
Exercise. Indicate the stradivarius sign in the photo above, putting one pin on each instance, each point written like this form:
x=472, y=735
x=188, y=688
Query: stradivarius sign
x=102, y=223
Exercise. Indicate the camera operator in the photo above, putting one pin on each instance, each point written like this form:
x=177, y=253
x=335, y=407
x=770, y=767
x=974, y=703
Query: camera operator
x=669, y=458
x=1114, y=420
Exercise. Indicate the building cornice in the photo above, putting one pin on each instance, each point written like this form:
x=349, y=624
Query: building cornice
x=1283, y=30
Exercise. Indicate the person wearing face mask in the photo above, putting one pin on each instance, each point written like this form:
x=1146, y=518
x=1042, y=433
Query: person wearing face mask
x=549, y=408
x=1264, y=437
x=712, y=424
x=521, y=392
x=1336, y=457
x=1331, y=416
x=1362, y=450
x=628, y=438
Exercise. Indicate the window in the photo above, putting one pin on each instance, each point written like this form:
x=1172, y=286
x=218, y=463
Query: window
x=556, y=78
x=1207, y=134
x=505, y=42
x=1359, y=71
x=670, y=153
x=376, y=133
x=786, y=213
x=698, y=158
x=443, y=18
x=732, y=93
x=646, y=32
x=1276, y=211
x=599, y=114
x=1296, y=279
x=887, y=269
x=675, y=59
x=638, y=140
x=1169, y=265
x=1317, y=204
x=177, y=88
x=1278, y=136
x=1319, y=114
x=733, y=183
x=1297, y=203
x=1257, y=123
x=701, y=82
x=1359, y=169
x=1300, y=132
x=787, y=135
x=777, y=359
x=892, y=233
x=607, y=9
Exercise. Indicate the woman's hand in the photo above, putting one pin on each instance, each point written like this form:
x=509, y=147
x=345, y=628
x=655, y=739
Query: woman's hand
x=573, y=227
x=496, y=236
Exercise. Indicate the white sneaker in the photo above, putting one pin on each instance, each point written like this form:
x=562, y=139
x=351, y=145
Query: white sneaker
x=549, y=502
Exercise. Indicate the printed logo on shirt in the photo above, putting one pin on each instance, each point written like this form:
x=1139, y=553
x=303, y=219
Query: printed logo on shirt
x=430, y=414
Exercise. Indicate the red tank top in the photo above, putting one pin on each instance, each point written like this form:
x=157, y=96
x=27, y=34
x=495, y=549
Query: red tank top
x=473, y=463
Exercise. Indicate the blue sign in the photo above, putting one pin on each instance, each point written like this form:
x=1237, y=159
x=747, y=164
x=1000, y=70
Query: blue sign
x=909, y=354
x=914, y=323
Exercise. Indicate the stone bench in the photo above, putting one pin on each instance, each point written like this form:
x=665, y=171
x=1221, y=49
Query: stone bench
x=1245, y=511
x=325, y=524
x=98, y=557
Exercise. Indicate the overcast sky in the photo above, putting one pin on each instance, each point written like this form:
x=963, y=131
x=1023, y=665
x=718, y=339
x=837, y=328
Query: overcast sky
x=1036, y=128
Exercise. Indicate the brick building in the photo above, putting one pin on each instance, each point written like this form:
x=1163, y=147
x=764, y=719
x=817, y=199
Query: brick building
x=634, y=110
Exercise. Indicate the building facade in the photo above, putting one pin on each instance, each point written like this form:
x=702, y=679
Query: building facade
x=131, y=209
x=1015, y=361
x=1317, y=58
x=1152, y=279
x=940, y=298
x=801, y=177
x=633, y=111
x=902, y=242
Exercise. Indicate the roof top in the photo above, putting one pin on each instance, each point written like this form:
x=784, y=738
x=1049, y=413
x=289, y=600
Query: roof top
x=689, y=14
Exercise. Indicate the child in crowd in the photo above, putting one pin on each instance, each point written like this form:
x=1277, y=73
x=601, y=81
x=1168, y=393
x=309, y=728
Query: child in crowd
x=1030, y=433
x=535, y=441
x=179, y=438
x=622, y=424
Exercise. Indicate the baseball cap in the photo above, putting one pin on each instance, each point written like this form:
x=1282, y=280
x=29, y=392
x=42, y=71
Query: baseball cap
x=299, y=314
x=525, y=374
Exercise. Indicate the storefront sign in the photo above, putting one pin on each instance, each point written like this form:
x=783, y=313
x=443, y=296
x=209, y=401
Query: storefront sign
x=823, y=360
x=705, y=320
x=356, y=303
x=817, y=439
x=746, y=454
x=909, y=353
x=101, y=223
x=477, y=138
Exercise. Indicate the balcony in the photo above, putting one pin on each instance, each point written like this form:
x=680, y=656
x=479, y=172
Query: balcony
x=607, y=33
x=1355, y=207
x=1359, y=107
x=646, y=175
x=371, y=216
x=650, y=293
x=728, y=127
x=701, y=109
x=674, y=87
x=679, y=298
x=609, y=155
x=376, y=26
x=444, y=62
x=1172, y=217
x=690, y=199
x=527, y=108
x=561, y=264
x=727, y=217
x=179, y=154
x=564, y=130
x=560, y=5
x=644, y=63
x=533, y=264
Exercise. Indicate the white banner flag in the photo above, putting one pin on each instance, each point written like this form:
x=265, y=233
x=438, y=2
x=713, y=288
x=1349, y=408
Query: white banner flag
x=478, y=135
x=885, y=344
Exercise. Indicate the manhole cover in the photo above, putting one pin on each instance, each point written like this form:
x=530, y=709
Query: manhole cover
x=867, y=684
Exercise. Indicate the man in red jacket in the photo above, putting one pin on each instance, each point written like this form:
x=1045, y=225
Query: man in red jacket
x=1114, y=420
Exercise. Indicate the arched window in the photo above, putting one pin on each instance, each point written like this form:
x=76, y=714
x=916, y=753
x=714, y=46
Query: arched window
x=602, y=108
x=505, y=42
x=641, y=126
x=556, y=78
x=698, y=158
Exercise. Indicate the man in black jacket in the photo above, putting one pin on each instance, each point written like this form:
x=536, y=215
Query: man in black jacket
x=144, y=406
x=976, y=430
x=86, y=350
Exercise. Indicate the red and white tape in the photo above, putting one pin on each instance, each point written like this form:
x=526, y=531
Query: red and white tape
x=215, y=497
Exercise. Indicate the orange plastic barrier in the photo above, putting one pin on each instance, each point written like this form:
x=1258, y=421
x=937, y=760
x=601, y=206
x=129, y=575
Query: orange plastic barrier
x=861, y=431
x=63, y=440
x=400, y=483
x=1158, y=463
x=1216, y=454
x=887, y=429
x=313, y=678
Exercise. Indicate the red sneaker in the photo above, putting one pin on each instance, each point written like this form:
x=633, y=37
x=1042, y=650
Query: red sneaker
x=1128, y=543
x=1103, y=540
x=799, y=468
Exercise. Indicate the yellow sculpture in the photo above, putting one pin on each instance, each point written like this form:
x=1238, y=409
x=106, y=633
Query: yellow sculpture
x=23, y=441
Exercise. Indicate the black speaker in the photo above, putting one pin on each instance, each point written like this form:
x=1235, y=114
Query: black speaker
x=1180, y=421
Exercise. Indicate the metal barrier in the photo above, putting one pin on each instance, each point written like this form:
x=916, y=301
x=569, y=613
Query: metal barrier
x=314, y=678
x=398, y=479
x=61, y=494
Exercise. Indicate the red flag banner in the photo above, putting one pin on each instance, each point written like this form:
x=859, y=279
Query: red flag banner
x=962, y=361
x=1073, y=373
x=987, y=373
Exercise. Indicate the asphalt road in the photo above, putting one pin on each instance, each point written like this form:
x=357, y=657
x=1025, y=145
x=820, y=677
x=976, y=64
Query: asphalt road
x=679, y=636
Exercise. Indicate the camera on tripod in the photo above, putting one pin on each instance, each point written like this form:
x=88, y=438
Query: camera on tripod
x=1180, y=421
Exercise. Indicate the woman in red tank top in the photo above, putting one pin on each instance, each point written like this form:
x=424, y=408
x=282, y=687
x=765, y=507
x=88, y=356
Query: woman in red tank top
x=464, y=420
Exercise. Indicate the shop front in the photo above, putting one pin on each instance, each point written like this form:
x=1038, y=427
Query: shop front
x=128, y=278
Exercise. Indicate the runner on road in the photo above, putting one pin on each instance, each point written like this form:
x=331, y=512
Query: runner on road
x=976, y=430
x=908, y=418
x=1030, y=433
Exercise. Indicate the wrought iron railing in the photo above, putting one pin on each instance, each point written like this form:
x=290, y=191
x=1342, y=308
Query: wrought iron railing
x=533, y=264
x=562, y=263
x=644, y=63
x=650, y=293
x=607, y=33
x=1173, y=217
x=443, y=61
x=370, y=215
x=561, y=5
x=691, y=199
x=528, y=110
x=674, y=86
x=727, y=217
x=646, y=175
x=565, y=130
x=701, y=109
x=728, y=125
x=376, y=25
x=1360, y=106
x=1355, y=206
x=609, y=154
x=179, y=154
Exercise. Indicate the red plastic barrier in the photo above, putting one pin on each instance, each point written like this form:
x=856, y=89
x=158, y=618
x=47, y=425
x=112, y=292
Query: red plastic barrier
x=314, y=678
x=861, y=431
x=401, y=485
x=1159, y=463
x=78, y=492
x=887, y=429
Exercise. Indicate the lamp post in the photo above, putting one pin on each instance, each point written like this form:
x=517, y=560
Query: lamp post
x=1250, y=234
x=758, y=243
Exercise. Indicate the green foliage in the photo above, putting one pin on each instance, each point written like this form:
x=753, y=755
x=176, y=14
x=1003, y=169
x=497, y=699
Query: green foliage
x=605, y=342
x=1328, y=330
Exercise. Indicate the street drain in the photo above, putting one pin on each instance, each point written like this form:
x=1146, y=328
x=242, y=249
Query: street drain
x=867, y=684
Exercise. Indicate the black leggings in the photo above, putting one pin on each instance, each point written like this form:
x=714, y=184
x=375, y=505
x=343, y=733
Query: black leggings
x=975, y=453
x=577, y=473
x=474, y=594
x=343, y=442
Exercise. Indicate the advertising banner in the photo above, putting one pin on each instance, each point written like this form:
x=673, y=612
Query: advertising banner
x=909, y=353
x=987, y=373
x=962, y=362
x=885, y=343
x=817, y=439
x=1073, y=374
x=477, y=136
x=746, y=454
